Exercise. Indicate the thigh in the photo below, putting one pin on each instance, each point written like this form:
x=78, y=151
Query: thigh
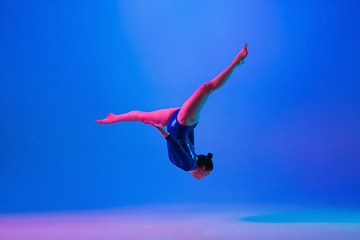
x=159, y=116
x=178, y=130
x=190, y=110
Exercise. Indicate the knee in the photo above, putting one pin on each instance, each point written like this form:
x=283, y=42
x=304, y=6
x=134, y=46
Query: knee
x=207, y=88
x=188, y=121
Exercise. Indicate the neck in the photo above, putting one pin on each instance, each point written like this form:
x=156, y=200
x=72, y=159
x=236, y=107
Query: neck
x=194, y=172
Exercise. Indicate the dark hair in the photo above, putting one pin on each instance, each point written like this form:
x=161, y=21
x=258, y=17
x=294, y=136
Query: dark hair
x=205, y=161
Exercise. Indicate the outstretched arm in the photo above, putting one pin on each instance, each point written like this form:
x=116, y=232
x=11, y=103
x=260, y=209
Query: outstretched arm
x=179, y=150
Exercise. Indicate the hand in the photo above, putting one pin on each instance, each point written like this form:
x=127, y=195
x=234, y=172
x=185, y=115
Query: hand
x=155, y=124
x=159, y=126
x=240, y=58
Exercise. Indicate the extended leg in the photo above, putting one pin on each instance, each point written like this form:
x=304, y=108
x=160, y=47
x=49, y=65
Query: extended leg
x=159, y=116
x=190, y=110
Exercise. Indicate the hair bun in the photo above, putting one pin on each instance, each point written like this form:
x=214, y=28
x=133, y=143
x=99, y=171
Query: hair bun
x=209, y=156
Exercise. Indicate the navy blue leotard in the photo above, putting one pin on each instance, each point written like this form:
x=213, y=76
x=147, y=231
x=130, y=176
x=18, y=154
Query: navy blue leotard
x=180, y=143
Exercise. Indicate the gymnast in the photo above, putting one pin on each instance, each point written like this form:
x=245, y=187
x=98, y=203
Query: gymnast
x=181, y=122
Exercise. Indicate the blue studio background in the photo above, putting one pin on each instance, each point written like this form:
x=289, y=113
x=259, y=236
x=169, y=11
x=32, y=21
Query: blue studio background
x=283, y=130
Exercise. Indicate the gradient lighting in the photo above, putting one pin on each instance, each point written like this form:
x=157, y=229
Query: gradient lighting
x=284, y=130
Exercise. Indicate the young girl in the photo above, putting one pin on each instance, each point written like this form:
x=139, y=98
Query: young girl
x=181, y=122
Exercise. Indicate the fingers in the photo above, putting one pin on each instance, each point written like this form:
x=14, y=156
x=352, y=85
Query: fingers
x=159, y=125
x=155, y=124
x=149, y=122
x=145, y=121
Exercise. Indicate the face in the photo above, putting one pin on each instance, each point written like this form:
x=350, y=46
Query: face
x=205, y=174
x=201, y=173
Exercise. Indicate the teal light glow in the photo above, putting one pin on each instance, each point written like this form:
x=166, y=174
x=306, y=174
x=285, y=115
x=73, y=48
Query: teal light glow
x=307, y=216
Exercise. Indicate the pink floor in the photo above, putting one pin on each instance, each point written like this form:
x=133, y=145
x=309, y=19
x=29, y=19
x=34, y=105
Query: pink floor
x=167, y=223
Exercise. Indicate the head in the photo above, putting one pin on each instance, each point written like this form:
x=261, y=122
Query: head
x=204, y=166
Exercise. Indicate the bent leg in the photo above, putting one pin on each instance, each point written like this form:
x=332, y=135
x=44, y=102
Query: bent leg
x=190, y=110
x=159, y=116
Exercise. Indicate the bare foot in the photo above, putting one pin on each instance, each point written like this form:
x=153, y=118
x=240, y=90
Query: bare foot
x=241, y=55
x=109, y=119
